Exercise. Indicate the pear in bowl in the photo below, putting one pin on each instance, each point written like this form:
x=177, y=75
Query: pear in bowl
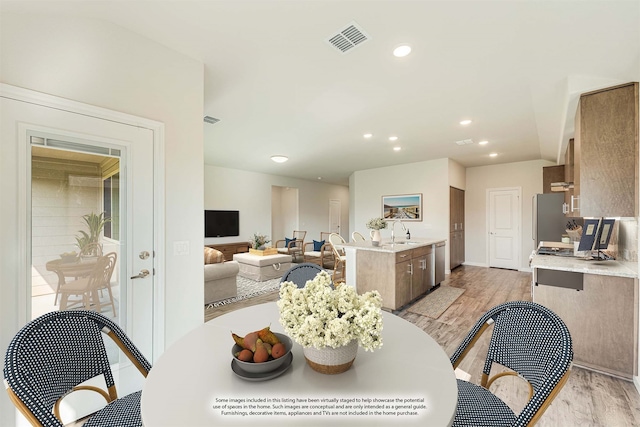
x=261, y=364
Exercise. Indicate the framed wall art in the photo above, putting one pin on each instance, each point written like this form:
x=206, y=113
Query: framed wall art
x=405, y=207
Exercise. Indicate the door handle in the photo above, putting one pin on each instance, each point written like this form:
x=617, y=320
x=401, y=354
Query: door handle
x=143, y=273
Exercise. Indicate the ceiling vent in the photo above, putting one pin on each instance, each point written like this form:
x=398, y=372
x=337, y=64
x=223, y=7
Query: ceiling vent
x=211, y=120
x=465, y=142
x=348, y=38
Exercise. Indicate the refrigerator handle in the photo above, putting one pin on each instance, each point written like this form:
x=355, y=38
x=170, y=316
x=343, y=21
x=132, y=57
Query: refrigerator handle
x=534, y=220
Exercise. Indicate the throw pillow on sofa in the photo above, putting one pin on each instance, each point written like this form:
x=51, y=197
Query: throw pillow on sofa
x=213, y=256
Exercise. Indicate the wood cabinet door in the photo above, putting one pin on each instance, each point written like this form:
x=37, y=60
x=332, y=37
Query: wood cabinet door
x=601, y=319
x=577, y=144
x=403, y=283
x=608, y=150
x=456, y=236
x=421, y=276
x=568, y=176
x=551, y=174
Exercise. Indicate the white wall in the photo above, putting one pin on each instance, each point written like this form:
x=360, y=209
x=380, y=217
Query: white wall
x=528, y=176
x=457, y=175
x=98, y=63
x=430, y=178
x=251, y=192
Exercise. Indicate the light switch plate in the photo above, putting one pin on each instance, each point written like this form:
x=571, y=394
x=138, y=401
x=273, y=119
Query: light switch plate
x=181, y=247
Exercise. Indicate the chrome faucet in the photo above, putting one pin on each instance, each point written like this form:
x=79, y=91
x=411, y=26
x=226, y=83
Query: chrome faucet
x=393, y=226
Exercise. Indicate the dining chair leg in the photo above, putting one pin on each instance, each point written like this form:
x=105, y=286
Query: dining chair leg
x=96, y=301
x=113, y=305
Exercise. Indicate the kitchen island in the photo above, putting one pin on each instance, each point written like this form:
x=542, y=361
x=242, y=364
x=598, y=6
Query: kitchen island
x=401, y=271
x=598, y=301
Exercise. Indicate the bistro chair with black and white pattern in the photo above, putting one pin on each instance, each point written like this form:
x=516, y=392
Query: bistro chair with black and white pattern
x=51, y=356
x=301, y=273
x=533, y=343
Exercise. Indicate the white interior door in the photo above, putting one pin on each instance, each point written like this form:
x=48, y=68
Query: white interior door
x=335, y=208
x=504, y=228
x=134, y=146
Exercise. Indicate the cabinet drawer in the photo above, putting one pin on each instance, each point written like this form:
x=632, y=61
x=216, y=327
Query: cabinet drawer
x=403, y=256
x=421, y=251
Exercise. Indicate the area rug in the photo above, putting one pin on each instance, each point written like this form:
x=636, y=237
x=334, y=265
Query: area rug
x=248, y=288
x=435, y=303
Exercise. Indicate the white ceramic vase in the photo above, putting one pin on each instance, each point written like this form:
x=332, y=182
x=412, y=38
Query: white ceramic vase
x=375, y=236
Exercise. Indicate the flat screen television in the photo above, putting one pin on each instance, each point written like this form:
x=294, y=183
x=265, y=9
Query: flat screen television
x=221, y=223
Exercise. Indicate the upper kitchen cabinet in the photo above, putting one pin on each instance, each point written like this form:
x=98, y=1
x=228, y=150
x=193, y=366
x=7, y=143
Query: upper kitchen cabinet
x=605, y=153
x=551, y=175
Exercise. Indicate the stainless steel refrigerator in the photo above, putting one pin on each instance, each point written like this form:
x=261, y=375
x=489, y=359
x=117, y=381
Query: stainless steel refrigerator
x=549, y=222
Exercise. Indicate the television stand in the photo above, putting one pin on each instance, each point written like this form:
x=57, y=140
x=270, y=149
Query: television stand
x=228, y=249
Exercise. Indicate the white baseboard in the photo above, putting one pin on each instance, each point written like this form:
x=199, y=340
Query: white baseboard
x=475, y=264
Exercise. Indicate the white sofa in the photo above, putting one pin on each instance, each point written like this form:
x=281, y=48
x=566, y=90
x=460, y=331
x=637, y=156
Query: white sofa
x=219, y=276
x=220, y=281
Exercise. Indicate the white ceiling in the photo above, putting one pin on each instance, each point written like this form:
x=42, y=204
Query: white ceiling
x=513, y=67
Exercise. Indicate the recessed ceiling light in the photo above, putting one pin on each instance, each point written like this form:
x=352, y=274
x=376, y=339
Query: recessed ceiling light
x=393, y=138
x=493, y=154
x=483, y=142
x=279, y=159
x=465, y=122
x=402, y=50
x=397, y=148
x=367, y=135
x=319, y=177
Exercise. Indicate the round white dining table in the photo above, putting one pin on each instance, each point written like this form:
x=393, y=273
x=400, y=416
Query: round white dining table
x=409, y=381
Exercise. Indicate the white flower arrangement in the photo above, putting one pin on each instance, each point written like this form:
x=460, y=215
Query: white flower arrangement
x=320, y=316
x=258, y=240
x=377, y=224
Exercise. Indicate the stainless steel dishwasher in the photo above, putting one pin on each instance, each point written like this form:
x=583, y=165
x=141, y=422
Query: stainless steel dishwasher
x=439, y=262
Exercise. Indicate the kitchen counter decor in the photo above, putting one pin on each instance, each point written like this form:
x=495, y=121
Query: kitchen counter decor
x=375, y=225
x=330, y=323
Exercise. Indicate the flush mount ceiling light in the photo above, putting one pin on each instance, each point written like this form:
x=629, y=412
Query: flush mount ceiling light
x=402, y=51
x=465, y=122
x=367, y=135
x=397, y=148
x=393, y=138
x=483, y=142
x=493, y=154
x=279, y=159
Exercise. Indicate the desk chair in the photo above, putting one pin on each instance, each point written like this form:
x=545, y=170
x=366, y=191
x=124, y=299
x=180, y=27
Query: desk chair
x=53, y=354
x=534, y=344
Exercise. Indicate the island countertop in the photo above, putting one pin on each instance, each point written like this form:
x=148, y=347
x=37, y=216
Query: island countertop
x=400, y=245
x=603, y=268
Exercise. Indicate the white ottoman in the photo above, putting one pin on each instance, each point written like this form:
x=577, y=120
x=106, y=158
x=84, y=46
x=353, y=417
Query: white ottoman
x=261, y=268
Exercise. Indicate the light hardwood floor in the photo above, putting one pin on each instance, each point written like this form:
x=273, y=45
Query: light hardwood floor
x=588, y=398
